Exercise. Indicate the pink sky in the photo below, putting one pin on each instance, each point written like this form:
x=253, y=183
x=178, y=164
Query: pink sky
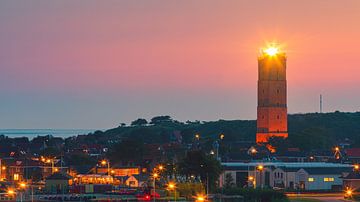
x=94, y=64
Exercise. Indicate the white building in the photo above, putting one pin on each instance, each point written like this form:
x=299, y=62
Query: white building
x=304, y=176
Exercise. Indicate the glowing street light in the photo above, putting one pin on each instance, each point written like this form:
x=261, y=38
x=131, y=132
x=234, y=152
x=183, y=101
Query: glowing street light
x=251, y=178
x=200, y=198
x=222, y=136
x=197, y=136
x=161, y=167
x=155, y=175
x=260, y=167
x=11, y=192
x=172, y=187
x=348, y=193
x=104, y=163
x=22, y=185
x=356, y=167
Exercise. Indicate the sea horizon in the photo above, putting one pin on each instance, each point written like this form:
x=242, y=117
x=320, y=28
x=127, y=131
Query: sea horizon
x=32, y=133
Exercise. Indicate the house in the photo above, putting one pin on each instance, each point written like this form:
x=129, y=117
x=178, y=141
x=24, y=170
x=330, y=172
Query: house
x=289, y=175
x=135, y=180
x=58, y=183
x=317, y=178
x=352, y=181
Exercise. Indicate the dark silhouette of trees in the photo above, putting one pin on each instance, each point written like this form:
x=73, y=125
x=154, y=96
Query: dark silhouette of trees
x=199, y=164
x=161, y=119
x=139, y=122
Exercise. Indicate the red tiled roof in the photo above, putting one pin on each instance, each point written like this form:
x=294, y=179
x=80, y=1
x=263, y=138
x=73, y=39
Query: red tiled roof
x=353, y=152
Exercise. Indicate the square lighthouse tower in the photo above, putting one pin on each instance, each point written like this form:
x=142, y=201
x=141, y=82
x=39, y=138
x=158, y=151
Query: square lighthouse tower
x=272, y=99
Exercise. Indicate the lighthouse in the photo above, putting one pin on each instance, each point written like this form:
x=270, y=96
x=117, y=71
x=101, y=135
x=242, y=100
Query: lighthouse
x=272, y=98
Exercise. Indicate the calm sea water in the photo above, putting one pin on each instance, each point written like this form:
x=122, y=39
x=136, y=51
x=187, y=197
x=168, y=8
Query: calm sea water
x=31, y=133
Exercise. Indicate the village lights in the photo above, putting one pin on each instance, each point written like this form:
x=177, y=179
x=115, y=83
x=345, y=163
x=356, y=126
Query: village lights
x=104, y=163
x=253, y=151
x=200, y=198
x=222, y=136
x=356, y=167
x=197, y=136
x=348, y=193
x=172, y=187
x=11, y=192
x=155, y=175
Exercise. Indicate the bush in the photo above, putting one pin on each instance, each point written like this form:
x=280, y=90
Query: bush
x=189, y=190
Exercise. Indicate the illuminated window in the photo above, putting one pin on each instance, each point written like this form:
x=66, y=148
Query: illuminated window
x=310, y=179
x=328, y=179
x=16, y=177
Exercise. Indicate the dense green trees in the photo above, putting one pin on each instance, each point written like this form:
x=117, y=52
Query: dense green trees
x=127, y=152
x=139, y=122
x=197, y=163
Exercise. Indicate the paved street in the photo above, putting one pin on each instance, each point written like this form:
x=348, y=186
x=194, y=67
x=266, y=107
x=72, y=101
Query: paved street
x=320, y=198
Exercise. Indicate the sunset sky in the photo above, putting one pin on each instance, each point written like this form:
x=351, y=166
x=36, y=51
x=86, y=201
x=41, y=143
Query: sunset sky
x=95, y=64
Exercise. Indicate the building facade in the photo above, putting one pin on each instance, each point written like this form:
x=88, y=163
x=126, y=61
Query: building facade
x=314, y=176
x=272, y=99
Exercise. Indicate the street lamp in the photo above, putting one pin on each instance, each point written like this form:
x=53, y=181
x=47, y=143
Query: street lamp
x=200, y=198
x=348, y=193
x=104, y=163
x=197, y=136
x=22, y=186
x=260, y=168
x=356, y=167
x=172, y=186
x=222, y=136
x=155, y=175
x=10, y=192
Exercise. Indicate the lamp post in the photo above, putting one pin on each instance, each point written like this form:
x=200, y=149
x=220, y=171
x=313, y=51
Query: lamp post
x=172, y=186
x=155, y=175
x=260, y=168
x=104, y=163
x=23, y=187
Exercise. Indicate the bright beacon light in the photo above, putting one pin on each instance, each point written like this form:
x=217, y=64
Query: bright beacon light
x=271, y=51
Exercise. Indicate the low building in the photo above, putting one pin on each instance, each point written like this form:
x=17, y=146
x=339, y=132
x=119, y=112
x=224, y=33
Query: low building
x=289, y=175
x=135, y=180
x=352, y=181
x=58, y=183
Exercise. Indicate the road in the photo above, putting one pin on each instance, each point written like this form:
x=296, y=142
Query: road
x=324, y=198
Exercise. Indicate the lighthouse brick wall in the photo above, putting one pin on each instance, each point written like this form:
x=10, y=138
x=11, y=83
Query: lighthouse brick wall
x=272, y=97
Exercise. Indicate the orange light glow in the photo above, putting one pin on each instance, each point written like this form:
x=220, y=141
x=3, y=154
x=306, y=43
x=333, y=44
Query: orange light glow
x=200, y=198
x=260, y=167
x=251, y=178
x=171, y=185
